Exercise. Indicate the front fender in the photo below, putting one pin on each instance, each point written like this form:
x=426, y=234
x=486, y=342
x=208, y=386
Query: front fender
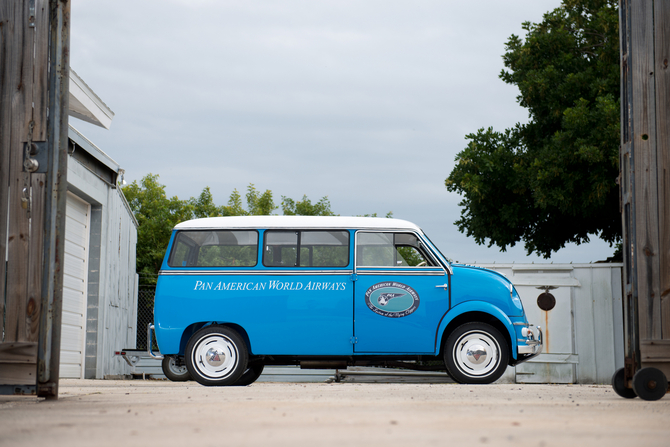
x=478, y=306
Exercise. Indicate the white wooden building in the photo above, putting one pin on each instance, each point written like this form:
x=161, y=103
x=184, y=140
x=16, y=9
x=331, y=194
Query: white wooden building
x=99, y=283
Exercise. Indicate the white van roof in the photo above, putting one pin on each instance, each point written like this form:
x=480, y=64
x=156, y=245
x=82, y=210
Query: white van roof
x=297, y=222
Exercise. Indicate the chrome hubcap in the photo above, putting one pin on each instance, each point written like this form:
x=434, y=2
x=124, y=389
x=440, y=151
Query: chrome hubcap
x=476, y=354
x=215, y=356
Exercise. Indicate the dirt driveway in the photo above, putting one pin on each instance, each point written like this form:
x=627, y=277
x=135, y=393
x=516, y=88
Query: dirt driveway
x=160, y=413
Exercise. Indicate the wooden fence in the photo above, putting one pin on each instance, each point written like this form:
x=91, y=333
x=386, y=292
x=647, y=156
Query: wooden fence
x=34, y=71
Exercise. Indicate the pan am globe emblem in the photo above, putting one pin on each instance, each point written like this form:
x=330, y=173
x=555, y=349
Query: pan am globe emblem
x=392, y=299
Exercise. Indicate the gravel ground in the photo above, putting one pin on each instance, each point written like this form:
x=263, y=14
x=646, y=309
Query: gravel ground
x=161, y=413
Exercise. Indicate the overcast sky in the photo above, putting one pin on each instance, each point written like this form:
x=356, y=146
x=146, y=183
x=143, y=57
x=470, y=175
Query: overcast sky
x=366, y=102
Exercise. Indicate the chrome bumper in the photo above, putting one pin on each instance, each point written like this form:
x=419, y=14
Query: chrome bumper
x=150, y=340
x=530, y=346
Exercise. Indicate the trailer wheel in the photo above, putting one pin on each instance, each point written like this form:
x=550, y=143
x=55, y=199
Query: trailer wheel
x=476, y=353
x=619, y=386
x=216, y=356
x=253, y=372
x=650, y=384
x=175, y=369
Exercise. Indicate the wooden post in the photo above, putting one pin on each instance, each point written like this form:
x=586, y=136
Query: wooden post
x=645, y=183
x=48, y=349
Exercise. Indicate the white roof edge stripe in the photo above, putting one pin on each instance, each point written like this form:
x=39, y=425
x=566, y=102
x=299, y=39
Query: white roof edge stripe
x=298, y=222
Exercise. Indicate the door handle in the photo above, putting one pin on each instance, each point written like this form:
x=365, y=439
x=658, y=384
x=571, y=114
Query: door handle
x=443, y=286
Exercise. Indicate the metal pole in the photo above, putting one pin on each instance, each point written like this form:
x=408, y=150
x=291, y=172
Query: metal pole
x=48, y=350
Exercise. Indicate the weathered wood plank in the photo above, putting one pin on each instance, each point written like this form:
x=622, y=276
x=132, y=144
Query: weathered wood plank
x=662, y=74
x=655, y=350
x=9, y=72
x=20, y=97
x=18, y=374
x=35, y=257
x=41, y=70
x=655, y=354
x=19, y=189
x=18, y=353
x=644, y=139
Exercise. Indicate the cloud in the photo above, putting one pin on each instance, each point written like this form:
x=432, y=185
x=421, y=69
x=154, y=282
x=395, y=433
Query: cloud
x=367, y=102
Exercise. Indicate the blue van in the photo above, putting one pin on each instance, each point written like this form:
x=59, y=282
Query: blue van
x=237, y=293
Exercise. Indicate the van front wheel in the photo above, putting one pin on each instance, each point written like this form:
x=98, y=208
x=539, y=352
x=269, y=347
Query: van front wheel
x=476, y=353
x=216, y=356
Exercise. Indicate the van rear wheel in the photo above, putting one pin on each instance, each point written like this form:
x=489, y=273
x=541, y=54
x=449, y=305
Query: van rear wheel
x=476, y=353
x=216, y=356
x=175, y=369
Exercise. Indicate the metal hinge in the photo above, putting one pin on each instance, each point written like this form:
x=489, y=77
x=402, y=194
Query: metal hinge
x=354, y=340
x=354, y=277
x=31, y=15
x=35, y=156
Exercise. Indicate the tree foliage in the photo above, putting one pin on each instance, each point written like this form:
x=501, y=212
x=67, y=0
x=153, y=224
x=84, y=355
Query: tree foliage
x=552, y=180
x=305, y=207
x=257, y=204
x=157, y=214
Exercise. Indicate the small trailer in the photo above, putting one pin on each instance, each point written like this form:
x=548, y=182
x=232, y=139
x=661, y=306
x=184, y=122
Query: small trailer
x=143, y=364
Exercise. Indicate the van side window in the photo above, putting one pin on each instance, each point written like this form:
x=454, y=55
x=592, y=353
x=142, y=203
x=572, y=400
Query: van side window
x=306, y=249
x=208, y=248
x=391, y=250
x=281, y=249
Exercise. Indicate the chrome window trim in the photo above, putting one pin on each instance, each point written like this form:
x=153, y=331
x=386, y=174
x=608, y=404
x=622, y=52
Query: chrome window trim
x=255, y=272
x=387, y=271
x=299, y=232
x=428, y=250
x=173, y=241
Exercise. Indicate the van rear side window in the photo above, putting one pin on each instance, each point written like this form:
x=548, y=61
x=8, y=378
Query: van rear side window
x=214, y=249
x=306, y=249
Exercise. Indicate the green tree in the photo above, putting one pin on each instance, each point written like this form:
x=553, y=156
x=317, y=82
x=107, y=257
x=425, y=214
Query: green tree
x=156, y=215
x=305, y=207
x=203, y=205
x=552, y=180
x=257, y=204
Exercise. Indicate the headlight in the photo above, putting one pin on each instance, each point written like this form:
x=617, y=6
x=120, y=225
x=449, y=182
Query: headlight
x=527, y=332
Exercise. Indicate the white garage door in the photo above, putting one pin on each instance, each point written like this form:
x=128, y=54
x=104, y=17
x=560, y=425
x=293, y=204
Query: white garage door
x=75, y=274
